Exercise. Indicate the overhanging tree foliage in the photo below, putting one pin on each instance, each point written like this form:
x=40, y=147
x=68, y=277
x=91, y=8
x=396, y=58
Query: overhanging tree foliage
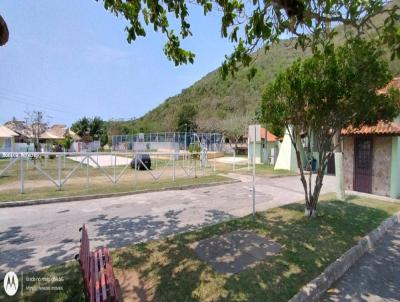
x=262, y=23
x=321, y=95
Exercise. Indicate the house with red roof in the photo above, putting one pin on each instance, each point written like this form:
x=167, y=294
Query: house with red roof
x=266, y=145
x=371, y=156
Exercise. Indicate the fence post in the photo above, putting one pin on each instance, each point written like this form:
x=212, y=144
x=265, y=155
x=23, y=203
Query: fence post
x=87, y=171
x=183, y=162
x=115, y=163
x=234, y=159
x=173, y=164
x=59, y=171
x=214, y=162
x=195, y=175
x=22, y=174
x=135, y=158
x=202, y=164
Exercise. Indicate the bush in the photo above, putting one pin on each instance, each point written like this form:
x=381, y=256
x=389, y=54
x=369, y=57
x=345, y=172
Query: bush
x=195, y=147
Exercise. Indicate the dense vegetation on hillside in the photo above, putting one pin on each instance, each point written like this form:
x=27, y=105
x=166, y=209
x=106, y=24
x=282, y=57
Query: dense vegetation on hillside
x=216, y=101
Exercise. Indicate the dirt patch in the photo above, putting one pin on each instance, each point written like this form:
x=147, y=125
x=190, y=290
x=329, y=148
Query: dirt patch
x=235, y=251
x=132, y=286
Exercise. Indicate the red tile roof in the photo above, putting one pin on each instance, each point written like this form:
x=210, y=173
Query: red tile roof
x=266, y=134
x=381, y=128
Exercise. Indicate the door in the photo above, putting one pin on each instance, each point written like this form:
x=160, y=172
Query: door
x=330, y=168
x=363, y=164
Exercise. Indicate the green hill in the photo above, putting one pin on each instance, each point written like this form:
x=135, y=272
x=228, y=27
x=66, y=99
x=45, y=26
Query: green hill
x=217, y=100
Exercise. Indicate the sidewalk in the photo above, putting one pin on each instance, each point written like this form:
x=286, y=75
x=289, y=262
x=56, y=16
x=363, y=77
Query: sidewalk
x=375, y=277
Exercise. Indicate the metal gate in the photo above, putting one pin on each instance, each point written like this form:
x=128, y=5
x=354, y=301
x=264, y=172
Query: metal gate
x=363, y=164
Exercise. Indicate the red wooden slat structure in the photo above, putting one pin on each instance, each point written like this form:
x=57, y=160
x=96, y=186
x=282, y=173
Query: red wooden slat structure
x=98, y=276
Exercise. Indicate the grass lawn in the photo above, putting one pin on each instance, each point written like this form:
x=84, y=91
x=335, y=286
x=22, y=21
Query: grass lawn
x=171, y=271
x=106, y=187
x=67, y=165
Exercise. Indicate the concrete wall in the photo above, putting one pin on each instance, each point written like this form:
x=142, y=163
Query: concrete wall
x=24, y=147
x=258, y=154
x=7, y=148
x=381, y=165
x=348, y=162
x=287, y=156
x=272, y=152
x=395, y=168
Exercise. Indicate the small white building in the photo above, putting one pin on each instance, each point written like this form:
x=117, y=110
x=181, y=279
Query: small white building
x=7, y=139
x=266, y=145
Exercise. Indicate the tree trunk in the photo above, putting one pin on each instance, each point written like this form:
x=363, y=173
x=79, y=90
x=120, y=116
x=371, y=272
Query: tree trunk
x=311, y=195
x=310, y=212
x=302, y=177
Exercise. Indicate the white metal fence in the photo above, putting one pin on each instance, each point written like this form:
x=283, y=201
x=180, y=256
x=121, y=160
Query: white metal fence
x=29, y=170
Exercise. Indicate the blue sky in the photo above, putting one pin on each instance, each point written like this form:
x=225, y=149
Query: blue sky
x=71, y=58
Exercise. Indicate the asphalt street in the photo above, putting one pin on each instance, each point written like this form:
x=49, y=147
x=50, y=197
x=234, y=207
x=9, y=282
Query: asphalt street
x=33, y=237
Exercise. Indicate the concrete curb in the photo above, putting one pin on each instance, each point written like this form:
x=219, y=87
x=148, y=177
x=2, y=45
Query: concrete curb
x=9, y=204
x=367, y=195
x=317, y=287
x=281, y=176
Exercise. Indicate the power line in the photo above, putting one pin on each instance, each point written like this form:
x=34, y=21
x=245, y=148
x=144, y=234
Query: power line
x=18, y=100
x=25, y=96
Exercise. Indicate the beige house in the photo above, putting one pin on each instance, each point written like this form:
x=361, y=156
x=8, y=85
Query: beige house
x=7, y=139
x=57, y=133
x=24, y=132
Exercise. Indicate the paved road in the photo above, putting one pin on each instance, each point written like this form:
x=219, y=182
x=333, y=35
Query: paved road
x=33, y=237
x=375, y=277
